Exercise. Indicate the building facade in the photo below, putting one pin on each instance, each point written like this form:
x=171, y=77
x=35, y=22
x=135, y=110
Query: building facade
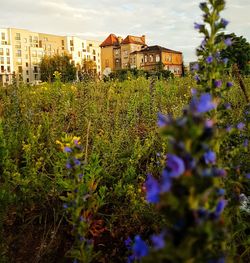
x=157, y=57
x=21, y=52
x=84, y=50
x=115, y=51
x=133, y=52
x=6, y=57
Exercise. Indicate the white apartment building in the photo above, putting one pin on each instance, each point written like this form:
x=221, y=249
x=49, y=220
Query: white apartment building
x=6, y=57
x=21, y=52
x=81, y=50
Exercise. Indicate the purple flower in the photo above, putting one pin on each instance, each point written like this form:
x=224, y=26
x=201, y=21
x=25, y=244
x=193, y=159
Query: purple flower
x=131, y=259
x=218, y=83
x=197, y=78
x=241, y=126
x=224, y=22
x=75, y=261
x=163, y=120
x=209, y=59
x=67, y=150
x=195, y=66
x=248, y=176
x=158, y=241
x=153, y=189
x=197, y=26
x=203, y=43
x=193, y=92
x=221, y=192
x=228, y=42
x=140, y=248
x=205, y=103
x=225, y=60
x=77, y=162
x=245, y=143
x=68, y=165
x=220, y=207
x=209, y=124
x=175, y=165
x=210, y=157
x=220, y=172
x=80, y=176
x=229, y=128
x=228, y=106
x=128, y=243
x=166, y=181
x=65, y=206
x=229, y=84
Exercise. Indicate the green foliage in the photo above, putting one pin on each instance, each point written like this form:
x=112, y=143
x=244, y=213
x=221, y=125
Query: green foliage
x=238, y=53
x=61, y=64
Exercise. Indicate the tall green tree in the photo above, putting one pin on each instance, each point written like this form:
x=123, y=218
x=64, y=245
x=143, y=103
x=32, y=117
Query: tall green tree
x=238, y=52
x=62, y=64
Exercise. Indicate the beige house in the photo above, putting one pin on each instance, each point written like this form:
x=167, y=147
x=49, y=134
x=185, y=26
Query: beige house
x=115, y=51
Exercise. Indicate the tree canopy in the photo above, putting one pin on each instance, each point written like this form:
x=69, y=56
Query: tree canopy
x=58, y=63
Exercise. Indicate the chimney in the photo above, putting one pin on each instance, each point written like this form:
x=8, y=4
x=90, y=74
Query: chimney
x=120, y=39
x=143, y=39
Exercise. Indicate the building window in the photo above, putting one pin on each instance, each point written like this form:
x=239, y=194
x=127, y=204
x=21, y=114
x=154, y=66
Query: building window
x=2, y=60
x=19, y=61
x=35, y=39
x=1, y=51
x=18, y=45
x=28, y=80
x=125, y=54
x=25, y=40
x=18, y=36
x=19, y=53
x=71, y=43
x=141, y=60
x=30, y=38
x=3, y=36
x=157, y=58
x=79, y=54
x=71, y=49
x=151, y=58
x=94, y=52
x=146, y=59
x=62, y=42
x=7, y=52
x=2, y=69
x=90, y=45
x=8, y=68
x=27, y=72
x=20, y=69
x=8, y=60
x=94, y=57
x=27, y=64
x=168, y=58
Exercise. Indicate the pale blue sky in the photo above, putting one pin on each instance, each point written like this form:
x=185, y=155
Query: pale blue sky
x=165, y=22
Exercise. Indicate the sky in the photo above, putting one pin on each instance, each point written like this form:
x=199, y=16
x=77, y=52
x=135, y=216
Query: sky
x=168, y=23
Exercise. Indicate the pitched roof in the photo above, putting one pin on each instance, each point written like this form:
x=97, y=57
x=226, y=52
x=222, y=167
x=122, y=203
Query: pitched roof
x=159, y=48
x=134, y=40
x=111, y=40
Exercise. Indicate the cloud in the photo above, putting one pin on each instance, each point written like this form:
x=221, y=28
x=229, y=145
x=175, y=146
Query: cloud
x=164, y=22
